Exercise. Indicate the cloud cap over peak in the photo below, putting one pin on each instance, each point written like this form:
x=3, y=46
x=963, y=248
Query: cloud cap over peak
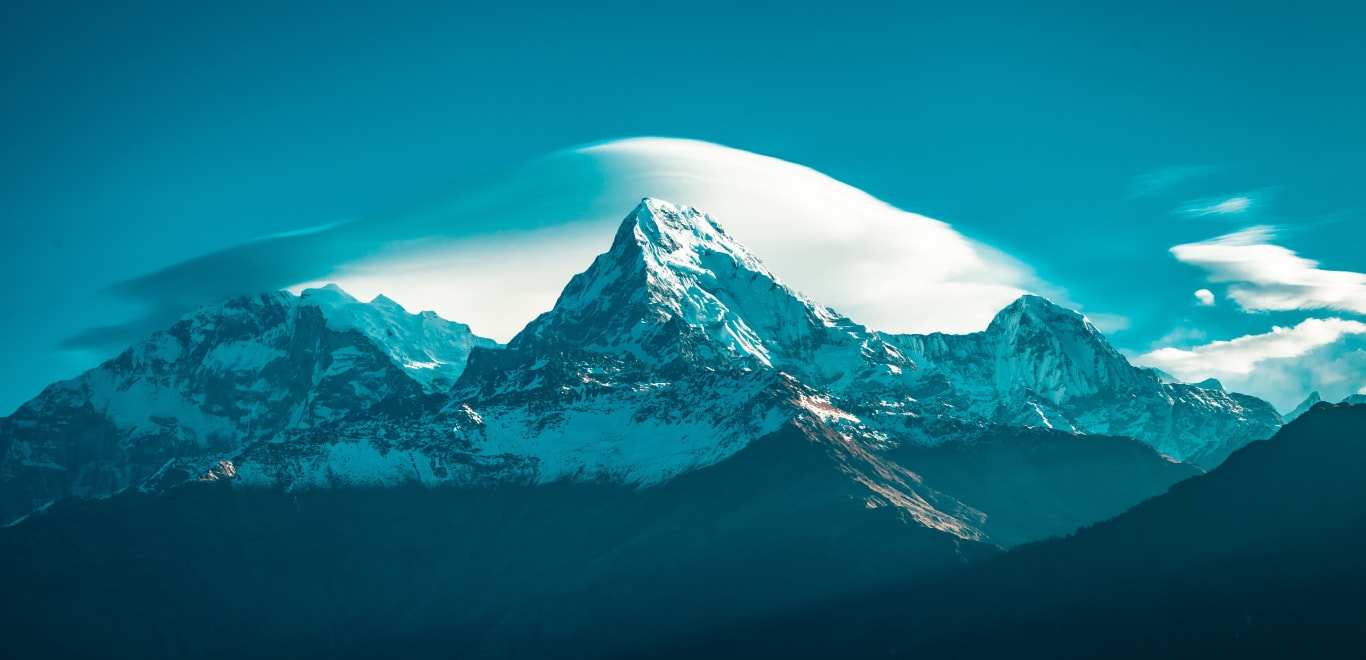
x=494, y=252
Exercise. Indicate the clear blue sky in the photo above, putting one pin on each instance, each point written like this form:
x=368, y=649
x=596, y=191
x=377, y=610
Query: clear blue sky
x=134, y=136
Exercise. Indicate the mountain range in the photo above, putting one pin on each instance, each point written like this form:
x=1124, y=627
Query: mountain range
x=682, y=427
x=321, y=389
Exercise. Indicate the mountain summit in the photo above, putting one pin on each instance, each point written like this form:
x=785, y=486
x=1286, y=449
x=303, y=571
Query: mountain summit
x=1039, y=364
x=675, y=286
x=674, y=279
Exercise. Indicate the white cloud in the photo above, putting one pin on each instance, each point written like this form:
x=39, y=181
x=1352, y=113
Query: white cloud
x=1181, y=336
x=1267, y=277
x=1280, y=366
x=495, y=284
x=496, y=251
x=892, y=270
x=1229, y=206
x=1205, y=296
x=1241, y=355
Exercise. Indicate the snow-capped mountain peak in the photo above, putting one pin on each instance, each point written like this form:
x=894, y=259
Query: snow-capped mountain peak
x=1039, y=364
x=1056, y=351
x=429, y=348
x=221, y=378
x=678, y=233
x=674, y=285
x=1032, y=314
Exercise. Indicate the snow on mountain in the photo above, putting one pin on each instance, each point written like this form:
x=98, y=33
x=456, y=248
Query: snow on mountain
x=221, y=378
x=1210, y=384
x=1038, y=364
x=583, y=418
x=675, y=286
x=429, y=348
x=605, y=429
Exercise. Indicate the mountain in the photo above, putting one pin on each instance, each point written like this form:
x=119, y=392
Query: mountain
x=676, y=288
x=1313, y=399
x=1039, y=364
x=1258, y=558
x=674, y=351
x=1309, y=402
x=563, y=569
x=219, y=380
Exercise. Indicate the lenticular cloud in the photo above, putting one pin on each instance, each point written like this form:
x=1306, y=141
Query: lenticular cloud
x=494, y=252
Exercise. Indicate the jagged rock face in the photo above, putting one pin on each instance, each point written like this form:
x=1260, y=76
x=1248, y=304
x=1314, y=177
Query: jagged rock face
x=221, y=379
x=1038, y=364
x=673, y=352
x=429, y=349
x=674, y=287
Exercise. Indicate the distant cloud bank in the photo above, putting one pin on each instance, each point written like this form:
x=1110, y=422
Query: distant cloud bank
x=1241, y=355
x=1281, y=366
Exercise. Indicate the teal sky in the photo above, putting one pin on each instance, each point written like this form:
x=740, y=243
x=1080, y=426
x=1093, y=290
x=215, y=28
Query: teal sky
x=1070, y=135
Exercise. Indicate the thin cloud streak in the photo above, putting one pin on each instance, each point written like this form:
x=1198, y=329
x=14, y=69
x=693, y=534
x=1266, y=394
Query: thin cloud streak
x=1218, y=206
x=1152, y=183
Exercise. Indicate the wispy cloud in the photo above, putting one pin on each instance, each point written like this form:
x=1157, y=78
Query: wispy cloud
x=1152, y=183
x=1205, y=297
x=1241, y=355
x=1218, y=206
x=1266, y=277
x=1281, y=366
